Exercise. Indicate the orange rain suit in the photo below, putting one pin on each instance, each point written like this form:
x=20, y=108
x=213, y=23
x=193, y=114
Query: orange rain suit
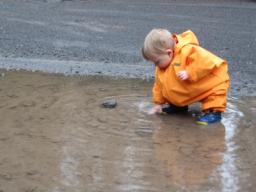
x=208, y=80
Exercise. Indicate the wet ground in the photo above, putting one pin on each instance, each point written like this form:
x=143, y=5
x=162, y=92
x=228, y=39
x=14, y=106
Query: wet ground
x=55, y=136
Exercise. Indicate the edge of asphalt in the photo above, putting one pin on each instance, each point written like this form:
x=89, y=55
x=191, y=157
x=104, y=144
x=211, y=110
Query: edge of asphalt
x=140, y=70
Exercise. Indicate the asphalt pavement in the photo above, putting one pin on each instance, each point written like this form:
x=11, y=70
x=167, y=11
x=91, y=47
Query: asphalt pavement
x=93, y=37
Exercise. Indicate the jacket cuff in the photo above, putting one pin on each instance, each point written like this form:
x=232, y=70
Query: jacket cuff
x=158, y=100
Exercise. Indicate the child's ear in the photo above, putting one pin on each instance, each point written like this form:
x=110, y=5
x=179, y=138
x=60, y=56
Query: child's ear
x=169, y=51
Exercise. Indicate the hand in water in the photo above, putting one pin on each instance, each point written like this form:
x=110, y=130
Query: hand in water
x=157, y=109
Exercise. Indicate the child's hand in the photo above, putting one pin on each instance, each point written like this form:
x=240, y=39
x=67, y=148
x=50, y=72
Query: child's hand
x=183, y=75
x=156, y=109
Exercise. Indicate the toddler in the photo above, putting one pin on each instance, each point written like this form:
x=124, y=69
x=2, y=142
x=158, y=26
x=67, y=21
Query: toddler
x=186, y=73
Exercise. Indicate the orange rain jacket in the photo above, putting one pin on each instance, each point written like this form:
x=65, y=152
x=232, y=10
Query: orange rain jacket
x=208, y=74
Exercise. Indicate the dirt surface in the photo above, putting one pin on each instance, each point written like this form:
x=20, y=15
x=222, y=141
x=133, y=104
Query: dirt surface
x=55, y=136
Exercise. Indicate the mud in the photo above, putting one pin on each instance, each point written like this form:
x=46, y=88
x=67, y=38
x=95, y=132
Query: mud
x=55, y=136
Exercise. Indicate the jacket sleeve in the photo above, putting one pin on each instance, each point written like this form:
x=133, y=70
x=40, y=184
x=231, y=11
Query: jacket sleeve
x=157, y=92
x=200, y=63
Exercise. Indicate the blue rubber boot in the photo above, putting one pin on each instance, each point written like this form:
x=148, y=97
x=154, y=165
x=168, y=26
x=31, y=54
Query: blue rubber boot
x=208, y=118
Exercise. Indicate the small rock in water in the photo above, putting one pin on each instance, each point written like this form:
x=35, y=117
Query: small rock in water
x=109, y=103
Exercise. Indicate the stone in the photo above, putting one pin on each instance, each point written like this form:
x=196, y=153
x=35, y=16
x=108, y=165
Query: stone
x=109, y=103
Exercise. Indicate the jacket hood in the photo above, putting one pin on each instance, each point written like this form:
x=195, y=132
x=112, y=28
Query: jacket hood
x=185, y=38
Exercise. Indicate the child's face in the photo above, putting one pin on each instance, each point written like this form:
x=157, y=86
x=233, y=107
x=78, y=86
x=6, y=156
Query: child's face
x=163, y=60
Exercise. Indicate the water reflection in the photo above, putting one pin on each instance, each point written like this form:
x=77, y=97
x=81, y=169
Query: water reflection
x=228, y=169
x=191, y=153
x=196, y=155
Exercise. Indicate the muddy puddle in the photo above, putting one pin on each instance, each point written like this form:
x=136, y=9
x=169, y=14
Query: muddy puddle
x=56, y=137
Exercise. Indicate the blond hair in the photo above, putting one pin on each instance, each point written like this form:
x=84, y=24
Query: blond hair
x=156, y=42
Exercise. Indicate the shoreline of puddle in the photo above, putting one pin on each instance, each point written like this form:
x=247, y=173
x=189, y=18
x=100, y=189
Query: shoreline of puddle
x=55, y=136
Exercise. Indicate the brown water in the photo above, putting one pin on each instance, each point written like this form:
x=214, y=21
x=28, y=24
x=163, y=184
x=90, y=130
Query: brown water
x=56, y=137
